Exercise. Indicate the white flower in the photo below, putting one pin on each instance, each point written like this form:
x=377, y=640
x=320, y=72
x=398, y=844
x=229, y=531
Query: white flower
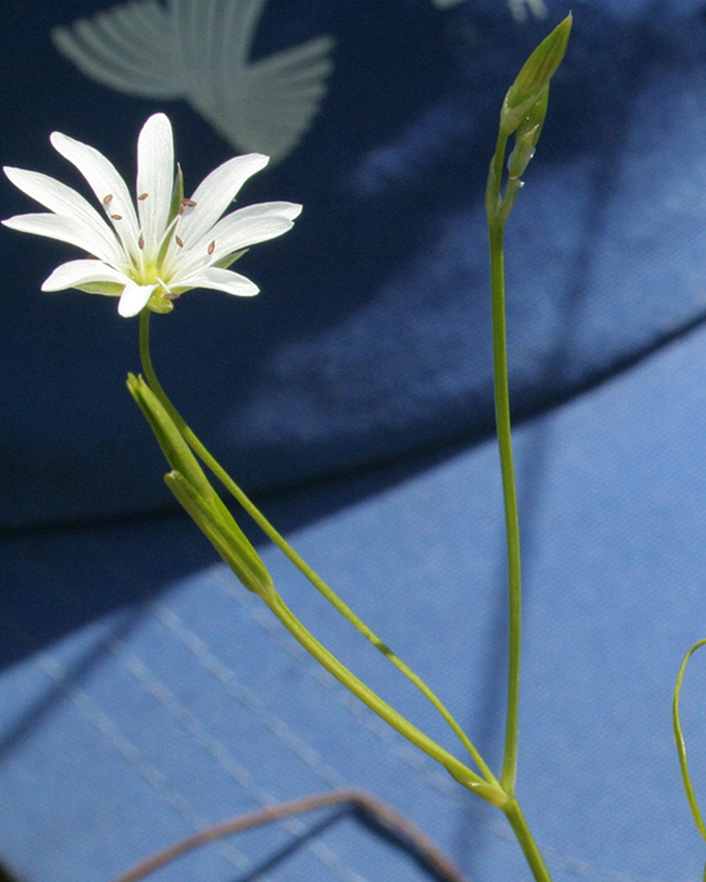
x=170, y=244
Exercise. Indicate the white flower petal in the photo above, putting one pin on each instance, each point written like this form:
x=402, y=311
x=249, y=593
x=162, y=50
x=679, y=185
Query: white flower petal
x=215, y=193
x=82, y=272
x=241, y=229
x=217, y=279
x=155, y=178
x=106, y=183
x=65, y=201
x=134, y=298
x=65, y=229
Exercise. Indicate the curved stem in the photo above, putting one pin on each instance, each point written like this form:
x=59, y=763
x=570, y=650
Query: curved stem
x=681, y=745
x=295, y=558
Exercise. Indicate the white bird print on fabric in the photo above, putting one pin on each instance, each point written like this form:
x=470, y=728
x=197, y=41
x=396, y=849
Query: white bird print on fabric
x=199, y=50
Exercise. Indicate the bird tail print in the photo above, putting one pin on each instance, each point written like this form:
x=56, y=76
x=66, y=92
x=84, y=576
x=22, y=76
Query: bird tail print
x=199, y=50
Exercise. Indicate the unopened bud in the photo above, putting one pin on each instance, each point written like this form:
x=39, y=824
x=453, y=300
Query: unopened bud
x=534, y=77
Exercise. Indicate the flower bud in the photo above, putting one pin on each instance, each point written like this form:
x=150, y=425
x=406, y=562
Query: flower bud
x=534, y=77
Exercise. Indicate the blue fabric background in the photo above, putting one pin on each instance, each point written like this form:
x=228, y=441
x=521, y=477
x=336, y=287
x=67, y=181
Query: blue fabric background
x=143, y=693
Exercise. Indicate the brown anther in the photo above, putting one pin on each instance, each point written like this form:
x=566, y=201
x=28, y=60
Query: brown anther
x=141, y=243
x=212, y=247
x=143, y=196
x=117, y=216
x=179, y=241
x=188, y=202
x=107, y=199
x=170, y=296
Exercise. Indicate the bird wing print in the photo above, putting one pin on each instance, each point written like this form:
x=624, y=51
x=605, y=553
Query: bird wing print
x=199, y=50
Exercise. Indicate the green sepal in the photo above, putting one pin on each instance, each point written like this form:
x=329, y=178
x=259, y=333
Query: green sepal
x=109, y=289
x=534, y=77
x=177, y=194
x=225, y=262
x=218, y=525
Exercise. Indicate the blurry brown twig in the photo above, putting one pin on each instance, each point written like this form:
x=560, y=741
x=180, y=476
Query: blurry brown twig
x=375, y=808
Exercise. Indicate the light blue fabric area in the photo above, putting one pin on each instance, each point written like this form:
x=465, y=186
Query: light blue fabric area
x=192, y=705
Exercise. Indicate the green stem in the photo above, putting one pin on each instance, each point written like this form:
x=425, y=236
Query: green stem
x=524, y=837
x=498, y=208
x=512, y=528
x=681, y=745
x=459, y=770
x=292, y=555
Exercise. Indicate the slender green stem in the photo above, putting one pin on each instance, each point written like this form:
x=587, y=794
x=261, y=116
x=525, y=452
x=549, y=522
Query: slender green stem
x=459, y=770
x=498, y=208
x=292, y=555
x=512, y=529
x=681, y=745
x=524, y=837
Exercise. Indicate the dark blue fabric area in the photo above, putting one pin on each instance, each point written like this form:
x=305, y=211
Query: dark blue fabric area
x=370, y=339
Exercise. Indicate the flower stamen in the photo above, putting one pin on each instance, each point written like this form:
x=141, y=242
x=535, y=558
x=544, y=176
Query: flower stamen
x=185, y=203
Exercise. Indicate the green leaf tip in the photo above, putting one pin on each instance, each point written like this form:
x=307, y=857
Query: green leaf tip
x=533, y=79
